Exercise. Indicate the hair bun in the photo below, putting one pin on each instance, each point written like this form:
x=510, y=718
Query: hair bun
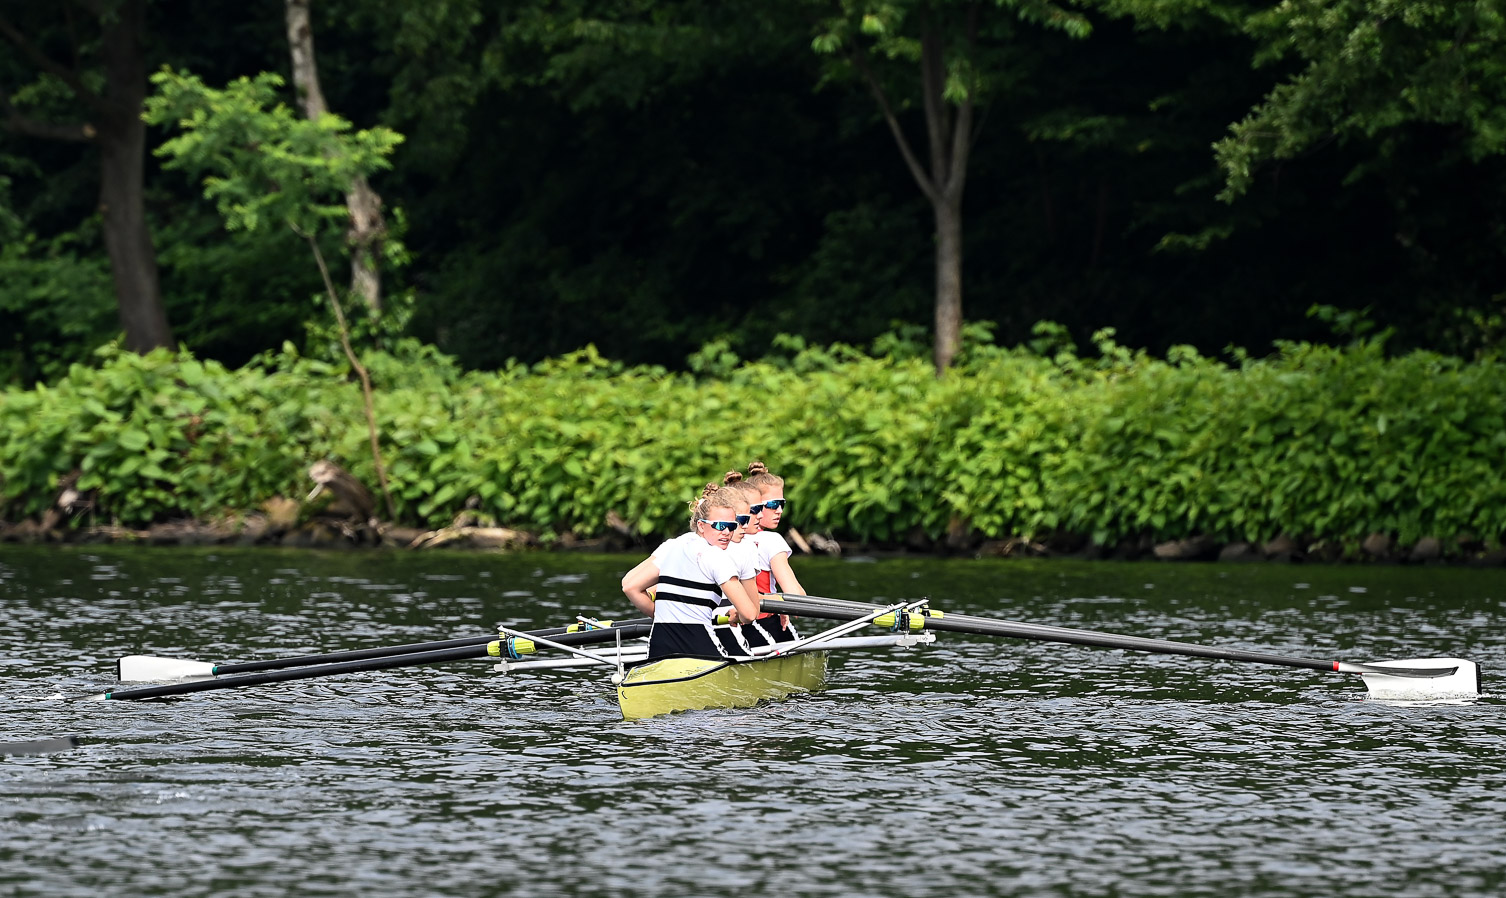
x=732, y=477
x=757, y=467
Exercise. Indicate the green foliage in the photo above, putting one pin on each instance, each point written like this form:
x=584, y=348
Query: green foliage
x=265, y=164
x=56, y=297
x=56, y=301
x=1315, y=442
x=160, y=436
x=648, y=176
x=217, y=308
x=623, y=51
x=269, y=167
x=891, y=31
x=1369, y=68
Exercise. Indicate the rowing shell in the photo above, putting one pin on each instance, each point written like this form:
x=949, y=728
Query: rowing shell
x=652, y=688
x=691, y=684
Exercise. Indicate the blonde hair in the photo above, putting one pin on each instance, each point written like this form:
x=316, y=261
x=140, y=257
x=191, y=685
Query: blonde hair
x=759, y=476
x=735, y=481
x=711, y=497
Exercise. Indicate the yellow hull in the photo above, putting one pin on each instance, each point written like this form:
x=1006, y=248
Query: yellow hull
x=688, y=684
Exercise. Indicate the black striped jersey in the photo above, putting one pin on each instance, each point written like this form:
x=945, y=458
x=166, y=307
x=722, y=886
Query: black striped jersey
x=690, y=573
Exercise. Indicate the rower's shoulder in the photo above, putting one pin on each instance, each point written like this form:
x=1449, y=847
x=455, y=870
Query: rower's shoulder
x=771, y=543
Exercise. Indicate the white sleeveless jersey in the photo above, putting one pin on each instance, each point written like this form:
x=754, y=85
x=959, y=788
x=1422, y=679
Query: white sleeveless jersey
x=745, y=556
x=766, y=545
x=691, y=572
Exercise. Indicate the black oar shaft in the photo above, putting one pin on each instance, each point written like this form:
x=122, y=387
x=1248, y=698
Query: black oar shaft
x=963, y=623
x=458, y=653
x=380, y=652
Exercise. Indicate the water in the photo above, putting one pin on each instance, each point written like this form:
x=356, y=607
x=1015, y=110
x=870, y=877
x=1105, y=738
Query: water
x=977, y=766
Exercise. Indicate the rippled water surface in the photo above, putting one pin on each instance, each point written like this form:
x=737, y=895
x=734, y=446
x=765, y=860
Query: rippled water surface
x=977, y=766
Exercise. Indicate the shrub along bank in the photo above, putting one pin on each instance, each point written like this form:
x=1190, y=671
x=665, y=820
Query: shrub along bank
x=1318, y=444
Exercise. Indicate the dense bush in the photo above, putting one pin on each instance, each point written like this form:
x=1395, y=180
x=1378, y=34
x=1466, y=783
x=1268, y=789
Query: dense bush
x=1315, y=441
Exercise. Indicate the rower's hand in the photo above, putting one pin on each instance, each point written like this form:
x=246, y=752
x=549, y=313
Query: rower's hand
x=784, y=621
x=733, y=617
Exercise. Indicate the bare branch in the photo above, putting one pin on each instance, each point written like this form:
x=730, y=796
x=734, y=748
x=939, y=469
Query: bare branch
x=927, y=186
x=44, y=62
x=961, y=136
x=961, y=144
x=17, y=123
x=932, y=89
x=361, y=372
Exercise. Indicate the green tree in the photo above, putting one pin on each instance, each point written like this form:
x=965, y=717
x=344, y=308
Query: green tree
x=951, y=57
x=367, y=228
x=261, y=163
x=1381, y=78
x=56, y=299
x=639, y=175
x=95, y=97
x=268, y=167
x=1368, y=69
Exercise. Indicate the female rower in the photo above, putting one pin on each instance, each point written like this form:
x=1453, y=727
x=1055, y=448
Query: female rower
x=693, y=571
x=774, y=574
x=746, y=558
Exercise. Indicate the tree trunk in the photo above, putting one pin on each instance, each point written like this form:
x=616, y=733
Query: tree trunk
x=114, y=124
x=948, y=212
x=366, y=224
x=122, y=204
x=949, y=134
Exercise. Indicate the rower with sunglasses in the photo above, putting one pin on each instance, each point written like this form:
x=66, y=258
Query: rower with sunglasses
x=774, y=571
x=746, y=559
x=692, y=572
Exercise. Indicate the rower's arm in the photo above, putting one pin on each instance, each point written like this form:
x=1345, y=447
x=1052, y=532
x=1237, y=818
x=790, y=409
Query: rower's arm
x=746, y=603
x=750, y=586
x=784, y=575
x=637, y=582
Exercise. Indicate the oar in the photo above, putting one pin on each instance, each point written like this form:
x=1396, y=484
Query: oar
x=495, y=648
x=39, y=746
x=856, y=623
x=1413, y=678
x=154, y=669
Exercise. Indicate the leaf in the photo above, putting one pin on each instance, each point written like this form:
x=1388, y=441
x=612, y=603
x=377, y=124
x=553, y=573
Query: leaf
x=133, y=440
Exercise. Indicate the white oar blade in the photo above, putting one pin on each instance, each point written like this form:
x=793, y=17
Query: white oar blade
x=1462, y=684
x=151, y=669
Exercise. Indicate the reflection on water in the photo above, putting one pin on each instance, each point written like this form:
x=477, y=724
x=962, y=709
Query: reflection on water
x=976, y=766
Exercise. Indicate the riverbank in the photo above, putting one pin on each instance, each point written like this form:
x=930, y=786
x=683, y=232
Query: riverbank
x=1316, y=453
x=344, y=534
